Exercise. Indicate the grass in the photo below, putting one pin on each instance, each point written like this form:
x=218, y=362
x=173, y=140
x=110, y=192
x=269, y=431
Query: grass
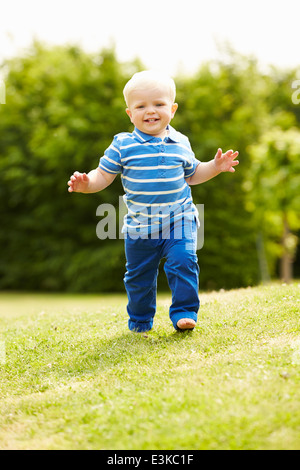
x=74, y=377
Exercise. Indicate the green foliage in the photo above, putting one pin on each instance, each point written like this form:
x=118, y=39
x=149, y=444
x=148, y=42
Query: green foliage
x=275, y=175
x=276, y=170
x=63, y=107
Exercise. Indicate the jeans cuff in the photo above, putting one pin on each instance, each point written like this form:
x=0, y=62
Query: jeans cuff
x=140, y=326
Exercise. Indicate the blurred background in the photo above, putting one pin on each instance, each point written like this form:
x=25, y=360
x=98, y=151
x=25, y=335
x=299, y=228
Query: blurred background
x=63, y=66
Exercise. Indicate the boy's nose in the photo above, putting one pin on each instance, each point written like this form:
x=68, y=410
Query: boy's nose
x=150, y=110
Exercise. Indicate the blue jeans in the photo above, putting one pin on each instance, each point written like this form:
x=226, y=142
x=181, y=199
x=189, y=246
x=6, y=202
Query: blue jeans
x=181, y=267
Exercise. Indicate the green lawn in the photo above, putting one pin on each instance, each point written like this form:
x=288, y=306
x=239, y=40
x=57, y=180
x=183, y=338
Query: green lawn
x=74, y=377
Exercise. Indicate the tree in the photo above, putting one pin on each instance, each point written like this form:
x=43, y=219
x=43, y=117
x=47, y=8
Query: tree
x=63, y=107
x=274, y=191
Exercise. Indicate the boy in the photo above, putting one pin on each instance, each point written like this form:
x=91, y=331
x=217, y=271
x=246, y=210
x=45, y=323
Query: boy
x=157, y=167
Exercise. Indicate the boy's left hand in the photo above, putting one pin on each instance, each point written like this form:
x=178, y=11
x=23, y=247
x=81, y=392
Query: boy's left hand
x=226, y=161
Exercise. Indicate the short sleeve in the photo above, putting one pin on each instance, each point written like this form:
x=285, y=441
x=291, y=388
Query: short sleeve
x=191, y=162
x=111, y=160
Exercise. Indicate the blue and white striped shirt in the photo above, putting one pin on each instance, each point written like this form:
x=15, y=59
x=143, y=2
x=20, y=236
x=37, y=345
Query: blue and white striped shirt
x=153, y=173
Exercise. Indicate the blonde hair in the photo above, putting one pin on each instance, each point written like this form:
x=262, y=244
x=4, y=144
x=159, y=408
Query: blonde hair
x=149, y=78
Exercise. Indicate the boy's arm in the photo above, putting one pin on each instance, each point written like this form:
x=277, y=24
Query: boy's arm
x=208, y=170
x=94, y=181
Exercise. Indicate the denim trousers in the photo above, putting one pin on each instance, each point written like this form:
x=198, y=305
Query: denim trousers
x=143, y=256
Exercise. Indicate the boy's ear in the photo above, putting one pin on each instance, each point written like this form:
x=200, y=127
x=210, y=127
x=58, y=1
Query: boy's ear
x=174, y=108
x=129, y=113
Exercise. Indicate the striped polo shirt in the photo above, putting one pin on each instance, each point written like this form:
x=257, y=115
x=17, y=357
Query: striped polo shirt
x=153, y=172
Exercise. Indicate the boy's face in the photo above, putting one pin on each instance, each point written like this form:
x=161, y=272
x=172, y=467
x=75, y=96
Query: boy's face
x=151, y=110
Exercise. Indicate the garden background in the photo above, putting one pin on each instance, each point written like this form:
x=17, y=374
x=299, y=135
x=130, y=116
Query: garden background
x=63, y=107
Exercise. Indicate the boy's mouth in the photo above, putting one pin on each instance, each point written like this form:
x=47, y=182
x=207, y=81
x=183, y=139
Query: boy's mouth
x=151, y=120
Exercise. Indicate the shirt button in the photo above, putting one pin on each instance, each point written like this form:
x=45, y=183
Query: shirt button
x=162, y=149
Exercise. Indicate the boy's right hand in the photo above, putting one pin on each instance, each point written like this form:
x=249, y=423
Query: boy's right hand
x=78, y=182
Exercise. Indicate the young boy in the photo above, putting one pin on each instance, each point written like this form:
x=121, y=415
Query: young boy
x=157, y=167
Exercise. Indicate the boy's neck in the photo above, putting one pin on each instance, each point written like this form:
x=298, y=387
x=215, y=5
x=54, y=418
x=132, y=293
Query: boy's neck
x=164, y=134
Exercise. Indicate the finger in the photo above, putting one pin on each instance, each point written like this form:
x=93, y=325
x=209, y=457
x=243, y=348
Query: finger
x=219, y=153
x=234, y=155
x=78, y=177
x=84, y=177
x=236, y=162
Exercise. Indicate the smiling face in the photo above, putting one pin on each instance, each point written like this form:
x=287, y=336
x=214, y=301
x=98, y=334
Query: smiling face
x=151, y=110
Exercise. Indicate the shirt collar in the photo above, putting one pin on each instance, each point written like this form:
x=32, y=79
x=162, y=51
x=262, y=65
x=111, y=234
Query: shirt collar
x=173, y=134
x=142, y=137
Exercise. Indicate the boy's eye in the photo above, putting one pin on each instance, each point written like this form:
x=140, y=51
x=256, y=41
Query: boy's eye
x=160, y=104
